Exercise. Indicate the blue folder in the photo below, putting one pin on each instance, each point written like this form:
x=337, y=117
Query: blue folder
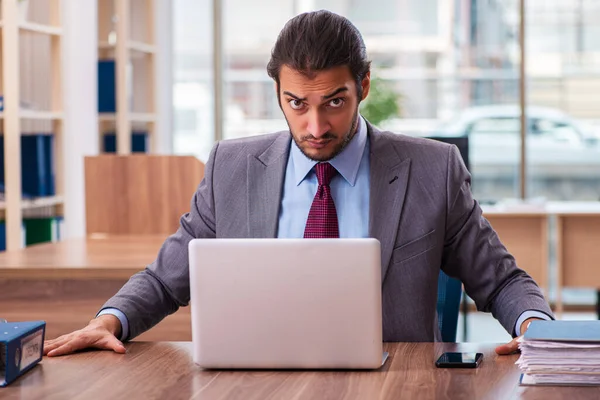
x=564, y=331
x=21, y=348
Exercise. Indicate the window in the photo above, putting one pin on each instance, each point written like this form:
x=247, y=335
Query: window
x=192, y=92
x=564, y=155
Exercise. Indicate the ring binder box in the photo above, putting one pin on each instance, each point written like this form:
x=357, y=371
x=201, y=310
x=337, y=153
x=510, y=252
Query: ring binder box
x=21, y=348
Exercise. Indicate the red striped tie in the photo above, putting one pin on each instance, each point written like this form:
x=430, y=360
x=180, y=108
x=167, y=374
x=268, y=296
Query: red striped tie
x=322, y=219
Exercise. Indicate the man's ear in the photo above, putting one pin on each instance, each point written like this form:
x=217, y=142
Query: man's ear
x=366, y=85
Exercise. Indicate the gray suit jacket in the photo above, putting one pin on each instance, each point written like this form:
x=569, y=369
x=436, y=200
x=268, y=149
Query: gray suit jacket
x=422, y=212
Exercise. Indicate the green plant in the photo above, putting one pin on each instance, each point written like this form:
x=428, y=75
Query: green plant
x=382, y=102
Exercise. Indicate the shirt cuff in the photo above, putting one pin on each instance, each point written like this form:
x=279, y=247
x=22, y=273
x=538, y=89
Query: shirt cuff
x=122, y=318
x=526, y=315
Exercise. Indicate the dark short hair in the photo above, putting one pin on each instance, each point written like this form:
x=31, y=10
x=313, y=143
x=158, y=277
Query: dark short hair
x=317, y=41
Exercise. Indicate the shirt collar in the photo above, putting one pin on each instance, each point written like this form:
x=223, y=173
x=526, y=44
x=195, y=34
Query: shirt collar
x=346, y=163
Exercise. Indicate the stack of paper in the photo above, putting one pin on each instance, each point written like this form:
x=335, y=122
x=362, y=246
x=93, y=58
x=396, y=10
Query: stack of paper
x=561, y=353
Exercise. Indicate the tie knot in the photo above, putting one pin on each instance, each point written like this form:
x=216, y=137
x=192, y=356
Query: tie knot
x=325, y=172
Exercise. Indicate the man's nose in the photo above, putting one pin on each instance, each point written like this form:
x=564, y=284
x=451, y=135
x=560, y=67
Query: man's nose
x=317, y=125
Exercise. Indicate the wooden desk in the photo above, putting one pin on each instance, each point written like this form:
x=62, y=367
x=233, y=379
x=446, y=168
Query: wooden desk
x=525, y=235
x=165, y=371
x=66, y=283
x=578, y=246
x=95, y=257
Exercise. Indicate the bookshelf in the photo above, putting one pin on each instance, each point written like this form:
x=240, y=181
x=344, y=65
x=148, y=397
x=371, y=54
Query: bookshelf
x=126, y=34
x=31, y=84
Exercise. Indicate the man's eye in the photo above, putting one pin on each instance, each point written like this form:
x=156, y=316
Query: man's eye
x=336, y=103
x=295, y=104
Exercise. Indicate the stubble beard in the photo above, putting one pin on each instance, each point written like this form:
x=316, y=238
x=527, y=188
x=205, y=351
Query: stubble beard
x=340, y=147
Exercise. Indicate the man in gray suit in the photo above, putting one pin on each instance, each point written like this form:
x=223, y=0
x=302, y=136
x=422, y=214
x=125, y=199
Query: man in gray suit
x=413, y=195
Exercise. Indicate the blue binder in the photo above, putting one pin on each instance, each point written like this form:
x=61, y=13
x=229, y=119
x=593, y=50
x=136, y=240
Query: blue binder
x=139, y=142
x=107, y=95
x=21, y=348
x=2, y=236
x=37, y=165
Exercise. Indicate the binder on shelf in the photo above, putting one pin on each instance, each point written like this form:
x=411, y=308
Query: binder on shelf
x=37, y=165
x=3, y=235
x=139, y=142
x=107, y=86
x=21, y=348
x=41, y=230
x=107, y=102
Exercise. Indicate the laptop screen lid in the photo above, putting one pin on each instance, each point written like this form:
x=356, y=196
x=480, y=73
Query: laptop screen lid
x=286, y=303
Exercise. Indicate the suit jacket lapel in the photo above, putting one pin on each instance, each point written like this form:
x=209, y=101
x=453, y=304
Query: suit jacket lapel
x=389, y=180
x=266, y=175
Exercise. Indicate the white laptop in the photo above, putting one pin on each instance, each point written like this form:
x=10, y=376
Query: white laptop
x=286, y=303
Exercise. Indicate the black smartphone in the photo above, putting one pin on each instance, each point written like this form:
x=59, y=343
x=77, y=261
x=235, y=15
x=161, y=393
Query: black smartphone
x=459, y=360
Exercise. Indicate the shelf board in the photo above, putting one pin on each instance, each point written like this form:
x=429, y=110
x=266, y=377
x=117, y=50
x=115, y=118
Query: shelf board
x=27, y=114
x=107, y=117
x=38, y=115
x=141, y=47
x=38, y=202
x=132, y=45
x=42, y=202
x=40, y=28
x=142, y=117
x=133, y=117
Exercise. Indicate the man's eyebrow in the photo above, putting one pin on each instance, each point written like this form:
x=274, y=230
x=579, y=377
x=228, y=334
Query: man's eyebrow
x=294, y=96
x=326, y=97
x=335, y=92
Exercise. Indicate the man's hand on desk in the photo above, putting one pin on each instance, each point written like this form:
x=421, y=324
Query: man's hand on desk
x=100, y=333
x=513, y=346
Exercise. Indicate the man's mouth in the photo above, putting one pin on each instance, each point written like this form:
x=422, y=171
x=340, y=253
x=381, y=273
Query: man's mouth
x=318, y=144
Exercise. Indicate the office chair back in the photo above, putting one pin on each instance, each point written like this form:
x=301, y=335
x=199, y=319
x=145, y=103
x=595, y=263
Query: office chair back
x=450, y=289
x=448, y=305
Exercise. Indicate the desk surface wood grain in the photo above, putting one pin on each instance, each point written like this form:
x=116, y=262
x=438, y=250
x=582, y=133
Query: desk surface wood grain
x=164, y=370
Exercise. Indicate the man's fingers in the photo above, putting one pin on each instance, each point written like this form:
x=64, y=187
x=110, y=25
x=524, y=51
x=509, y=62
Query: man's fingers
x=73, y=342
x=508, y=348
x=49, y=342
x=53, y=344
x=83, y=341
x=66, y=348
x=503, y=349
x=97, y=334
x=114, y=344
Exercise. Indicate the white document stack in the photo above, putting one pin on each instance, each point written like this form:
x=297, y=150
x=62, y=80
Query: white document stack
x=561, y=353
